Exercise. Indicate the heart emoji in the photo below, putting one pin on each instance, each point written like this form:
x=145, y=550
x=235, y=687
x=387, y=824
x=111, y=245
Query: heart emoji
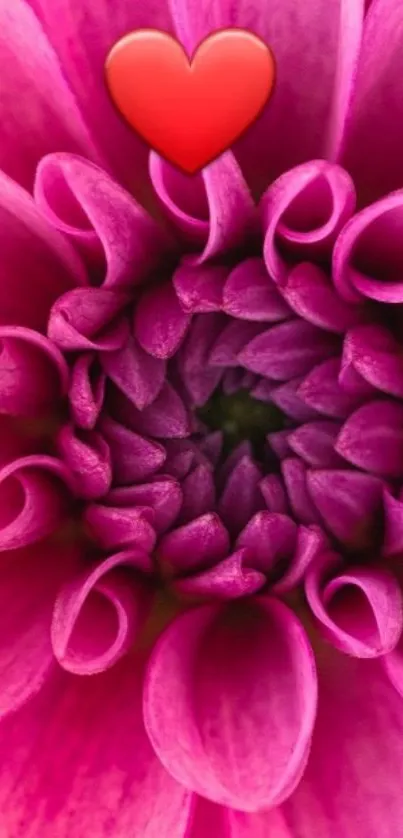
x=190, y=111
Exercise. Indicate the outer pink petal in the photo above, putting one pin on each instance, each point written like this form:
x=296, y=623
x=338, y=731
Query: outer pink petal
x=305, y=116
x=352, y=785
x=84, y=764
x=38, y=108
x=237, y=726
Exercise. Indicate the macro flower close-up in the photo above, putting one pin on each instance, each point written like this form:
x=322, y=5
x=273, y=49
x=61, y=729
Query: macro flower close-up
x=201, y=436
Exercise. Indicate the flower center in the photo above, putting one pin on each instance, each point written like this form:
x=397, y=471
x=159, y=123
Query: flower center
x=241, y=417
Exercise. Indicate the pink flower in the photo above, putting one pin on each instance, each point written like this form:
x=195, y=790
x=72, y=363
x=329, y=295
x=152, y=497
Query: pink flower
x=201, y=456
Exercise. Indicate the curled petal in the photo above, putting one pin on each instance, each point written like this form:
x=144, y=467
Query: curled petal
x=305, y=209
x=245, y=720
x=85, y=319
x=82, y=200
x=96, y=617
x=160, y=322
x=367, y=259
x=360, y=611
x=87, y=455
x=312, y=296
x=33, y=372
x=199, y=288
x=268, y=538
x=162, y=493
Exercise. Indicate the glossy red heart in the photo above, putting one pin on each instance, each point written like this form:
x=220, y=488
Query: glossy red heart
x=190, y=111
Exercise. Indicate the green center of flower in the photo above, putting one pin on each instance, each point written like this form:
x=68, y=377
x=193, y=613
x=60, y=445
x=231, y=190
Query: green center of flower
x=241, y=417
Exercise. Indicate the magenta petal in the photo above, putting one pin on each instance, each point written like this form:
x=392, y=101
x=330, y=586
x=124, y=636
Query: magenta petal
x=87, y=455
x=241, y=497
x=315, y=443
x=138, y=375
x=97, y=616
x=160, y=323
x=287, y=398
x=199, y=288
x=377, y=356
x=134, y=458
x=374, y=128
x=349, y=503
x=163, y=494
x=272, y=490
x=351, y=784
x=360, y=611
x=322, y=391
x=208, y=819
x=106, y=776
x=183, y=198
x=231, y=341
x=193, y=360
x=115, y=527
x=230, y=578
x=30, y=580
x=166, y=417
x=295, y=474
x=311, y=542
x=87, y=390
x=372, y=438
x=393, y=663
x=250, y=293
x=287, y=350
x=367, y=259
x=304, y=210
x=393, y=512
x=85, y=318
x=245, y=720
x=132, y=242
x=31, y=249
x=33, y=373
x=37, y=105
x=199, y=493
x=312, y=296
x=32, y=502
x=195, y=545
x=268, y=538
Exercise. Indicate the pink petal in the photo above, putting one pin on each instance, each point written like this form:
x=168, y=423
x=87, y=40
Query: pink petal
x=33, y=253
x=199, y=288
x=241, y=497
x=33, y=373
x=87, y=390
x=37, y=105
x=97, y=616
x=268, y=538
x=163, y=494
x=377, y=356
x=360, y=611
x=115, y=527
x=230, y=578
x=82, y=42
x=245, y=720
x=208, y=819
x=86, y=319
x=367, y=259
x=288, y=350
x=249, y=293
x=195, y=545
x=374, y=128
x=166, y=417
x=322, y=391
x=311, y=543
x=160, y=323
x=30, y=579
x=351, y=785
x=330, y=34
x=393, y=524
x=136, y=373
x=106, y=776
x=131, y=241
x=134, y=458
x=304, y=210
x=311, y=295
x=349, y=503
x=372, y=438
x=199, y=493
x=287, y=398
x=88, y=457
x=295, y=474
x=193, y=360
x=231, y=341
x=315, y=443
x=272, y=489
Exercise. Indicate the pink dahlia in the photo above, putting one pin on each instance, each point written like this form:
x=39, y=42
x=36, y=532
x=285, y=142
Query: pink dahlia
x=201, y=413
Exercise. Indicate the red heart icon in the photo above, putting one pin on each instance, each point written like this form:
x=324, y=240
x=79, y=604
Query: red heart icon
x=190, y=111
